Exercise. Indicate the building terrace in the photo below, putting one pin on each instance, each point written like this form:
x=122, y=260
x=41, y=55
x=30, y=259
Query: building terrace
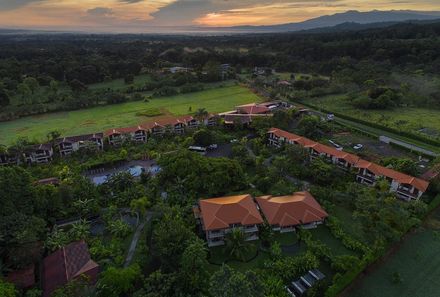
x=405, y=186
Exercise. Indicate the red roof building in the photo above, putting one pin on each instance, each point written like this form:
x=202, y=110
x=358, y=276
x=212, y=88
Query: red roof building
x=67, y=264
x=405, y=186
x=219, y=215
x=284, y=213
x=24, y=278
x=253, y=108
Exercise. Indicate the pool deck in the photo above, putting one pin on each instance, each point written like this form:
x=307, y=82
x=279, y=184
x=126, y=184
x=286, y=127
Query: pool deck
x=126, y=166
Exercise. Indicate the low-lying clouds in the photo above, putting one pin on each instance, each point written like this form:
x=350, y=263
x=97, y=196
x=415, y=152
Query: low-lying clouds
x=136, y=15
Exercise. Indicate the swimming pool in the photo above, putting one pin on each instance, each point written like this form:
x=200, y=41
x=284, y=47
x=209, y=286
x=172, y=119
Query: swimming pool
x=135, y=171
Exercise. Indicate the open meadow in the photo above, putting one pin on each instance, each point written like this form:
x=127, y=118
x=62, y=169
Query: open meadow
x=422, y=121
x=121, y=115
x=414, y=270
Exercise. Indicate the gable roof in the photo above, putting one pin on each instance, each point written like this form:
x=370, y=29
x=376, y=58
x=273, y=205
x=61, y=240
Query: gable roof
x=86, y=137
x=253, y=108
x=296, y=209
x=220, y=213
x=356, y=161
x=124, y=130
x=66, y=264
x=402, y=178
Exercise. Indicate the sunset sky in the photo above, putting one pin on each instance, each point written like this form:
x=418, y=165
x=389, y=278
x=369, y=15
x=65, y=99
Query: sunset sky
x=137, y=15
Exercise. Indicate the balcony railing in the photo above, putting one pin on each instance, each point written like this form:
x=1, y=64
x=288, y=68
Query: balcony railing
x=368, y=177
x=251, y=229
x=405, y=193
x=215, y=243
x=215, y=234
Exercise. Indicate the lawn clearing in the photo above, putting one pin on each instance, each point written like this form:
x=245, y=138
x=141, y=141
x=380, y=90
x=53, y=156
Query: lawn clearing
x=413, y=271
x=323, y=234
x=219, y=255
x=122, y=115
x=425, y=122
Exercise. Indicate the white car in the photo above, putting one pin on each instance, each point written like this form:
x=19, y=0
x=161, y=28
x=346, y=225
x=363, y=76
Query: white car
x=358, y=146
x=213, y=146
x=335, y=144
x=234, y=141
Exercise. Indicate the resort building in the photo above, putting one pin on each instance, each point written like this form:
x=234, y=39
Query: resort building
x=66, y=264
x=39, y=154
x=218, y=216
x=405, y=186
x=68, y=145
x=117, y=136
x=9, y=158
x=285, y=213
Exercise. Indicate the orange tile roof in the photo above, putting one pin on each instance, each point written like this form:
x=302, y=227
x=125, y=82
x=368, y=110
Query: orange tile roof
x=220, y=213
x=402, y=178
x=253, y=108
x=124, y=130
x=296, y=209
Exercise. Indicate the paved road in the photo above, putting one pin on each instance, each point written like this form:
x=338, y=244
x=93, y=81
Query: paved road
x=135, y=239
x=412, y=147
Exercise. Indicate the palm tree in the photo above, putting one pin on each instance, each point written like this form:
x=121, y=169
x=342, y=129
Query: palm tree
x=140, y=206
x=236, y=244
x=85, y=206
x=3, y=149
x=56, y=240
x=80, y=230
x=201, y=114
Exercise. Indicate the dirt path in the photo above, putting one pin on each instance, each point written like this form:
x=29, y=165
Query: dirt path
x=135, y=239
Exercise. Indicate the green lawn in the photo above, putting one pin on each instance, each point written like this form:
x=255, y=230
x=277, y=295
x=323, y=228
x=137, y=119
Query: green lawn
x=101, y=118
x=348, y=224
x=403, y=118
x=219, y=255
x=323, y=234
x=416, y=263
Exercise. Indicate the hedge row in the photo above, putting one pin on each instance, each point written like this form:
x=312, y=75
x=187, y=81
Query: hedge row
x=377, y=126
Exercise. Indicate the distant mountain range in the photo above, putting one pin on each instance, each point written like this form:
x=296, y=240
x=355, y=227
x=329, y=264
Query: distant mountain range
x=352, y=16
x=351, y=20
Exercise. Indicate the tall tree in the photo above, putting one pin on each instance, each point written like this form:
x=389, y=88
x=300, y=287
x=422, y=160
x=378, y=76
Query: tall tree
x=227, y=282
x=193, y=268
x=236, y=244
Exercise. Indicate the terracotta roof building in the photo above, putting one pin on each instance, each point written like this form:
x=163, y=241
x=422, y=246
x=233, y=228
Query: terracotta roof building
x=67, y=264
x=405, y=186
x=68, y=145
x=219, y=215
x=24, y=278
x=253, y=108
x=284, y=213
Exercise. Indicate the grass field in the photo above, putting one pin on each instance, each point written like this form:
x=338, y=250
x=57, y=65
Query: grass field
x=422, y=121
x=413, y=271
x=121, y=115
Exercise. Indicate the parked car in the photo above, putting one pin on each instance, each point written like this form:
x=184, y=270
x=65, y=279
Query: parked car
x=339, y=147
x=213, y=146
x=358, y=146
x=234, y=140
